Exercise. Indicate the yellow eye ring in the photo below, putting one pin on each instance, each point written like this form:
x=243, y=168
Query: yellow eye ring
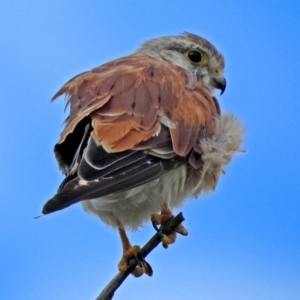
x=196, y=57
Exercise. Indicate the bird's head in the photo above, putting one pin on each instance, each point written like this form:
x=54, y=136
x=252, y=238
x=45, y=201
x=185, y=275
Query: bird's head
x=191, y=52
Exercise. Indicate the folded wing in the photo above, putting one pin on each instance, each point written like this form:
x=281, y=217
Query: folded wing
x=130, y=121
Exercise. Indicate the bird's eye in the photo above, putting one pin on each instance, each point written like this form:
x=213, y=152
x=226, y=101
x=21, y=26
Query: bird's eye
x=195, y=56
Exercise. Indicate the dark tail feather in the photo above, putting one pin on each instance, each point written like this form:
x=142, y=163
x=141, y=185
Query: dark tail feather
x=77, y=190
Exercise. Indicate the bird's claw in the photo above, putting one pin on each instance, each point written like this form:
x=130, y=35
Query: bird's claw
x=142, y=267
x=181, y=230
x=162, y=219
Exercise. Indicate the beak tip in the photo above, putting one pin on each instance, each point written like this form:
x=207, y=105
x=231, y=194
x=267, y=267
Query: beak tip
x=220, y=83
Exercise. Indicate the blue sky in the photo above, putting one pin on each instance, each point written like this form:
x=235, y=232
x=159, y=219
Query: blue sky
x=244, y=240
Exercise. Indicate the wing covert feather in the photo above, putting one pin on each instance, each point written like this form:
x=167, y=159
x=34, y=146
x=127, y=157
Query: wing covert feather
x=127, y=97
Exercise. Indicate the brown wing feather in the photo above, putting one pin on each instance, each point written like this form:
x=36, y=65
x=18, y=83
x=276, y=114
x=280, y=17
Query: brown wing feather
x=130, y=98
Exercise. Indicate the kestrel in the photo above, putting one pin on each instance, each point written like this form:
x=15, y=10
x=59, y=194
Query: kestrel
x=145, y=133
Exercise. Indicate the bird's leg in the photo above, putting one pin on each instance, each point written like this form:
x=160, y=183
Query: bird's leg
x=130, y=252
x=161, y=219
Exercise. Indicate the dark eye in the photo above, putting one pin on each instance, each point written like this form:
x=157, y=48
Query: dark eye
x=195, y=56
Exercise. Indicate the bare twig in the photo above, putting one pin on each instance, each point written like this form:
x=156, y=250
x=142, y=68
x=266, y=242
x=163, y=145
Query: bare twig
x=108, y=292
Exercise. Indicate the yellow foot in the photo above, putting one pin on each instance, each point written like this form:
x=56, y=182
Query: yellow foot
x=143, y=266
x=161, y=219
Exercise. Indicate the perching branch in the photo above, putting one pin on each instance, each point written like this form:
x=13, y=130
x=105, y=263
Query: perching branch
x=108, y=292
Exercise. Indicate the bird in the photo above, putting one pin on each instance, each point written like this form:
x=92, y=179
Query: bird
x=144, y=133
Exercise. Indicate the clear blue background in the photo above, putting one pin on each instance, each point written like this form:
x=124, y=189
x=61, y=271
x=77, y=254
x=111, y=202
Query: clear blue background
x=244, y=240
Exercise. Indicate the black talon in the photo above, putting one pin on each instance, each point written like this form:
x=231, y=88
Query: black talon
x=139, y=257
x=142, y=262
x=149, y=268
x=155, y=226
x=160, y=231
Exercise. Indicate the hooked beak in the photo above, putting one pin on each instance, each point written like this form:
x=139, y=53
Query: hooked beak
x=219, y=82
